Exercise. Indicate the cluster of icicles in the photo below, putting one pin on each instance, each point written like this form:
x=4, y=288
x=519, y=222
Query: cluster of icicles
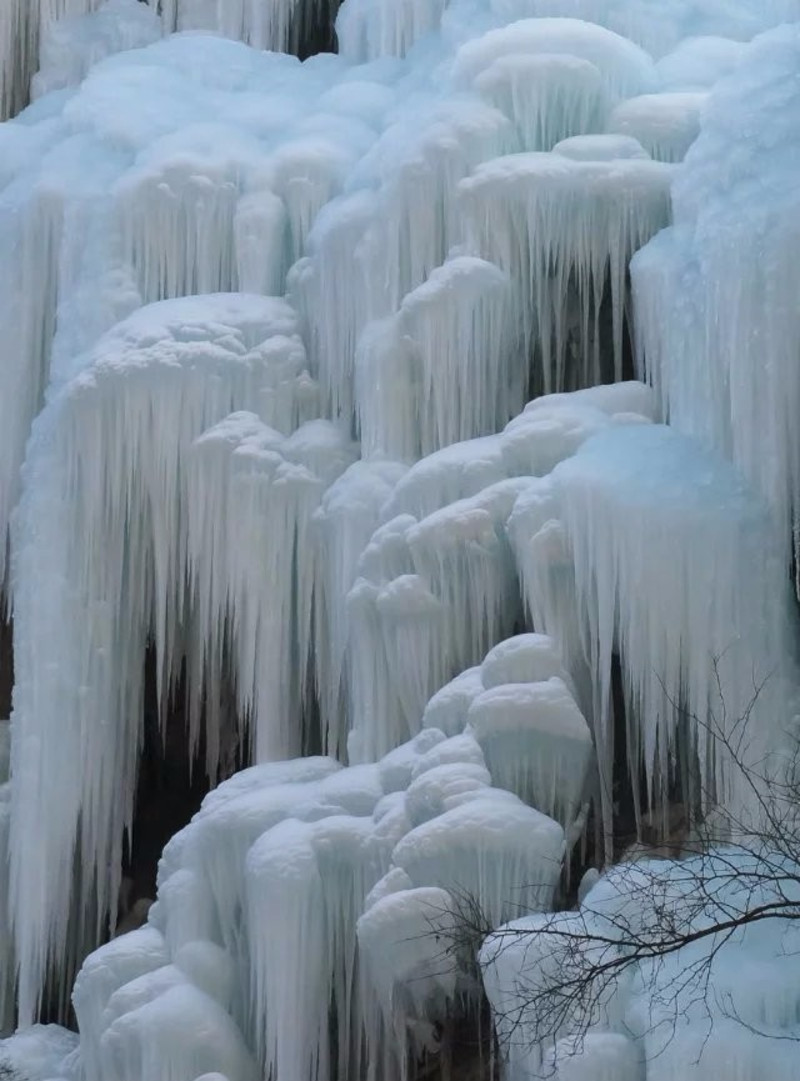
x=269, y=331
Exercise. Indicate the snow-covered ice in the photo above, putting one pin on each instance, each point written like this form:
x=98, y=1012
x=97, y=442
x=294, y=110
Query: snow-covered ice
x=219, y=268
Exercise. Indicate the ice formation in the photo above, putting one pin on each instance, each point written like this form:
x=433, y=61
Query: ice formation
x=437, y=585
x=219, y=268
x=168, y=377
x=717, y=287
x=700, y=659
x=596, y=214
x=666, y=125
x=448, y=339
x=73, y=43
x=630, y=1035
x=259, y=915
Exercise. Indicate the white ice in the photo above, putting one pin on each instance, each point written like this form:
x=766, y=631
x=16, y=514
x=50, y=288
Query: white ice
x=452, y=221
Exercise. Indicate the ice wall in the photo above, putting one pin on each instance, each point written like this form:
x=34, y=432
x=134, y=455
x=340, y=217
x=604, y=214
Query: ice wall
x=714, y=293
x=117, y=524
x=451, y=207
x=72, y=43
x=605, y=571
x=48, y=44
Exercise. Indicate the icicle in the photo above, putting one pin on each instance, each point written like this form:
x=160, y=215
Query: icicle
x=625, y=69
x=343, y=524
x=415, y=222
x=565, y=230
x=411, y=632
x=716, y=292
x=7, y=967
x=366, y=29
x=548, y=96
x=279, y=27
x=260, y=225
x=442, y=369
x=306, y=884
x=687, y=659
x=399, y=230
x=307, y=173
x=407, y=983
x=253, y=581
x=105, y=519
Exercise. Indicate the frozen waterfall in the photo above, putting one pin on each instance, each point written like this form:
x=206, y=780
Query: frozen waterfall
x=399, y=442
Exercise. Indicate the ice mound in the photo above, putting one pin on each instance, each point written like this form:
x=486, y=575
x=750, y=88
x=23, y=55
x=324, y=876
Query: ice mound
x=652, y=1017
x=605, y=147
x=536, y=743
x=437, y=584
x=666, y=125
x=625, y=69
x=40, y=1053
x=306, y=874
